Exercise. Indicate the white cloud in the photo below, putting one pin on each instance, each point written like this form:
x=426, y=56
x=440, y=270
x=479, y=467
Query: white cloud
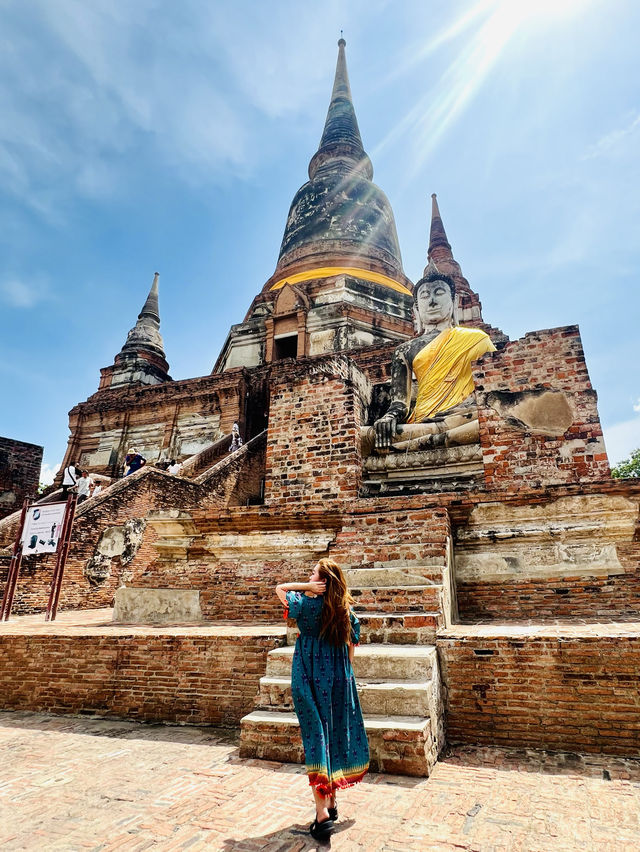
x=22, y=294
x=48, y=472
x=92, y=90
x=618, y=141
x=636, y=407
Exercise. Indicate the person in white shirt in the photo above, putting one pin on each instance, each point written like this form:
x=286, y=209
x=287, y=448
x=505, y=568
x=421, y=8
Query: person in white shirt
x=96, y=489
x=174, y=468
x=84, y=486
x=236, y=440
x=69, y=478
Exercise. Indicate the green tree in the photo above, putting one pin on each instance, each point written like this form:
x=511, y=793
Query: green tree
x=629, y=468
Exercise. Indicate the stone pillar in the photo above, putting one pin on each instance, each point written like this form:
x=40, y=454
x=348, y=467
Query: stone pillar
x=313, y=450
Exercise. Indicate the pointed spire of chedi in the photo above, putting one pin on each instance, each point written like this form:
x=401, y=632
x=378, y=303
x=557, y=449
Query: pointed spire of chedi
x=339, y=220
x=341, y=143
x=141, y=359
x=150, y=308
x=439, y=251
x=146, y=332
x=439, y=247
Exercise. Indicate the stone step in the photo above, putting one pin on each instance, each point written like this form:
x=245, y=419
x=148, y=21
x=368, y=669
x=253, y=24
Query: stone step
x=410, y=698
x=406, y=575
x=388, y=599
x=397, y=628
x=372, y=662
x=398, y=744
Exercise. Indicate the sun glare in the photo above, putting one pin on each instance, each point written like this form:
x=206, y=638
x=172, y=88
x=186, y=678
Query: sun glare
x=545, y=9
x=493, y=23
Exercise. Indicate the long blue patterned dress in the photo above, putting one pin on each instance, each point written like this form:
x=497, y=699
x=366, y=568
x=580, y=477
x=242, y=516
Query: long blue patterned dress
x=326, y=701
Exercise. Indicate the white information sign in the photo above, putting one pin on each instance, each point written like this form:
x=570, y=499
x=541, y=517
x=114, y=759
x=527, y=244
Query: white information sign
x=42, y=528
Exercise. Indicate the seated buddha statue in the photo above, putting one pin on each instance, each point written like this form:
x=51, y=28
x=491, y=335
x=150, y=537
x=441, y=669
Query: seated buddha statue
x=440, y=356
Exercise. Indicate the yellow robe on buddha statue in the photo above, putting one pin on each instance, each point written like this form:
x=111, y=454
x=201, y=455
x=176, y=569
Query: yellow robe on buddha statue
x=443, y=370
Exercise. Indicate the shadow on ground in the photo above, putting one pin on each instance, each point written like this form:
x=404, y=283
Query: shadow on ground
x=297, y=837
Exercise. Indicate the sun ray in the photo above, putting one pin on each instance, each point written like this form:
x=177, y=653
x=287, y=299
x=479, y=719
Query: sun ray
x=434, y=114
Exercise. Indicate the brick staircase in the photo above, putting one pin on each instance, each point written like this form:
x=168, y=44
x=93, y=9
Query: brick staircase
x=396, y=670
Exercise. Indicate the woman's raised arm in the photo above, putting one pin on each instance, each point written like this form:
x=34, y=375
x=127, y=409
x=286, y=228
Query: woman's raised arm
x=314, y=588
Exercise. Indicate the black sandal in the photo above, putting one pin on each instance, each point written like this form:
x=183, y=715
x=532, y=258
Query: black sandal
x=333, y=813
x=321, y=830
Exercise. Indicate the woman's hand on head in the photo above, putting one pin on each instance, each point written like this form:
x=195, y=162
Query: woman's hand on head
x=318, y=587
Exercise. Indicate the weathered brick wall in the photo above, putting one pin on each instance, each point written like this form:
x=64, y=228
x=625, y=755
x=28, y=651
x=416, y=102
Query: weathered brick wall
x=229, y=590
x=570, y=552
x=237, y=480
x=197, y=679
x=590, y=598
x=168, y=419
x=510, y=380
x=313, y=449
x=403, y=536
x=132, y=498
x=19, y=473
x=555, y=692
x=243, y=587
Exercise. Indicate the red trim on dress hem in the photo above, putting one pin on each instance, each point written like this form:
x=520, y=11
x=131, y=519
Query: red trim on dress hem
x=325, y=787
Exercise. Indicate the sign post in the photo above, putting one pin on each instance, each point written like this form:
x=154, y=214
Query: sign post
x=63, y=549
x=14, y=568
x=43, y=528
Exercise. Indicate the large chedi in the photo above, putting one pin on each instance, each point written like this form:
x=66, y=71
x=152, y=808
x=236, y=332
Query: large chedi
x=338, y=282
x=339, y=220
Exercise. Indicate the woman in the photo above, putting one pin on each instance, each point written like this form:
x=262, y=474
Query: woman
x=324, y=688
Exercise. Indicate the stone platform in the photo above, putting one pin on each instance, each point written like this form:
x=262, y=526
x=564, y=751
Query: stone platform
x=205, y=673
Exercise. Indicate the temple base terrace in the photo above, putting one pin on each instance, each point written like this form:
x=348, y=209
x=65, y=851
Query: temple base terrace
x=559, y=685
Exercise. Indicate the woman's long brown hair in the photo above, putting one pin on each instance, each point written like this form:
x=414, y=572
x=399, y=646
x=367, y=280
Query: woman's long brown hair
x=335, y=623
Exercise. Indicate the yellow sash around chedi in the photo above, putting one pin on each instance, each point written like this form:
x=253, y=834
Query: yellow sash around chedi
x=443, y=370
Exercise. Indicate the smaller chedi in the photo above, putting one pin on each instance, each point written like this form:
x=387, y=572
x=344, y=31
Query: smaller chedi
x=440, y=355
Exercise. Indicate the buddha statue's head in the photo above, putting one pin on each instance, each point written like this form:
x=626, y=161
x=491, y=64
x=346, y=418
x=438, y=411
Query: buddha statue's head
x=434, y=298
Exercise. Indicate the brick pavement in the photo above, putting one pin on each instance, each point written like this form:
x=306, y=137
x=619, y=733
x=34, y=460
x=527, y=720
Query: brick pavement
x=88, y=784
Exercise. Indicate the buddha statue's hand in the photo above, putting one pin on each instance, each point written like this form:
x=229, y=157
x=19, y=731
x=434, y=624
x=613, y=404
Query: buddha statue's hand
x=385, y=428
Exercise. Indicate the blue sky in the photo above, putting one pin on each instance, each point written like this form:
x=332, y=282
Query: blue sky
x=156, y=135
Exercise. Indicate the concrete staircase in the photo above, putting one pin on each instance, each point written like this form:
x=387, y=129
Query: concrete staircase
x=396, y=670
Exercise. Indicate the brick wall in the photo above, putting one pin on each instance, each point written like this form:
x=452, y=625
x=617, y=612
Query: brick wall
x=19, y=473
x=403, y=536
x=575, y=693
x=197, y=679
x=158, y=418
x=514, y=454
x=591, y=598
x=229, y=590
x=243, y=587
x=237, y=480
x=313, y=449
x=131, y=498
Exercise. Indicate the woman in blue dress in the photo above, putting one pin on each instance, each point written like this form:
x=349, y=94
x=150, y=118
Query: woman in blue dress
x=324, y=688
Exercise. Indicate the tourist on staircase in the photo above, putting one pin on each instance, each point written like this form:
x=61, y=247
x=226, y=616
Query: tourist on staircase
x=85, y=484
x=69, y=479
x=236, y=439
x=324, y=688
x=133, y=461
